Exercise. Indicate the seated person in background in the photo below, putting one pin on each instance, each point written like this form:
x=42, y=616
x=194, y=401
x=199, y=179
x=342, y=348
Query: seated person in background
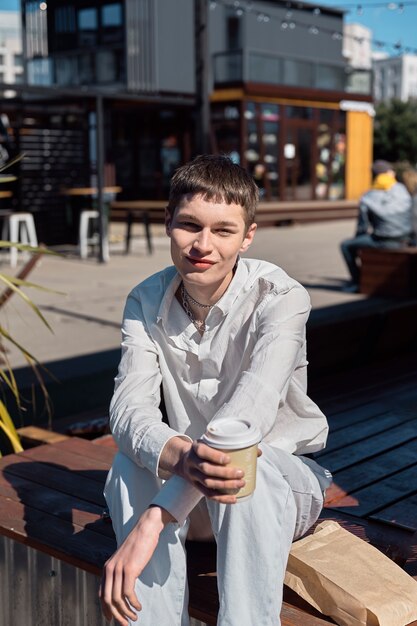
x=225, y=336
x=384, y=219
x=410, y=181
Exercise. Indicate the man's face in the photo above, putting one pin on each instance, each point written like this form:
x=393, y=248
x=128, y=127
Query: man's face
x=206, y=238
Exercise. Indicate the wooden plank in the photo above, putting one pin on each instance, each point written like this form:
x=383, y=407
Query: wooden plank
x=33, y=435
x=62, y=456
x=107, y=441
x=382, y=494
x=64, y=540
x=56, y=477
x=87, y=449
x=393, y=392
x=366, y=428
x=62, y=505
x=402, y=513
x=351, y=454
x=371, y=470
x=347, y=416
x=337, y=393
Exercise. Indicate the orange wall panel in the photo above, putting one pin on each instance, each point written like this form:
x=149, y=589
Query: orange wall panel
x=359, y=131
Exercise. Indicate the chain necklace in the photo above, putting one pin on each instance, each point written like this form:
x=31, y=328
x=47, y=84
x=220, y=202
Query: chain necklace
x=186, y=301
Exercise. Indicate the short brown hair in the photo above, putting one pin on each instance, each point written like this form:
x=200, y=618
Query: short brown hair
x=215, y=177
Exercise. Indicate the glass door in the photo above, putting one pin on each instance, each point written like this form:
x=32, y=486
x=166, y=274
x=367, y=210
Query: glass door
x=298, y=162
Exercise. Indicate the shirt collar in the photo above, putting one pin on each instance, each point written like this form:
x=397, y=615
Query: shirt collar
x=168, y=297
x=234, y=289
x=165, y=312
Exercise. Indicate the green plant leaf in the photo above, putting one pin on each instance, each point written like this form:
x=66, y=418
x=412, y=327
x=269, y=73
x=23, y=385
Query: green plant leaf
x=10, y=381
x=5, y=334
x=26, y=299
x=26, y=283
x=6, y=419
x=16, y=159
x=6, y=424
x=25, y=247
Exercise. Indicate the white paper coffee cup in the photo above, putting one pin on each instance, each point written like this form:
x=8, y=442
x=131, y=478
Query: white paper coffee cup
x=239, y=439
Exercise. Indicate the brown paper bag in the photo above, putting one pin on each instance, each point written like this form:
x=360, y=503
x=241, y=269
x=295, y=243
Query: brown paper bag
x=351, y=581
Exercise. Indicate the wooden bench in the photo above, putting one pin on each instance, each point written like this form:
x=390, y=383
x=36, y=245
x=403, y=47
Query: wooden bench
x=275, y=213
x=138, y=211
x=391, y=273
x=52, y=522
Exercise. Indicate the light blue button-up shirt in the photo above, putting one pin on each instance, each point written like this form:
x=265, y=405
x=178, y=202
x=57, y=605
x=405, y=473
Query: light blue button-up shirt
x=250, y=363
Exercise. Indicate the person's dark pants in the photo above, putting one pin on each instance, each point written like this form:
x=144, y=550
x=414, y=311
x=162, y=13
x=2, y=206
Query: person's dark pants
x=350, y=249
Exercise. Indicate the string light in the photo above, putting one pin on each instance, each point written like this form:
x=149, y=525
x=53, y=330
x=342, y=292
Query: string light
x=391, y=6
x=241, y=7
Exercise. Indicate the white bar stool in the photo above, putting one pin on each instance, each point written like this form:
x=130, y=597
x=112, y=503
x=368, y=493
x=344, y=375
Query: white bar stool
x=19, y=228
x=87, y=236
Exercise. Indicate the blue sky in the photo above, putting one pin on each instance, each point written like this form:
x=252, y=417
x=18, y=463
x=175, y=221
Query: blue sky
x=388, y=25
x=9, y=5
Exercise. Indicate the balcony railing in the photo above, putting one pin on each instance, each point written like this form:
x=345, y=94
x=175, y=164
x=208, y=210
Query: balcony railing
x=261, y=67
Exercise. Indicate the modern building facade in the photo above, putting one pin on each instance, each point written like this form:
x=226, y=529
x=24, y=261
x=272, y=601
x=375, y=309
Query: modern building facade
x=266, y=81
x=395, y=77
x=11, y=58
x=282, y=101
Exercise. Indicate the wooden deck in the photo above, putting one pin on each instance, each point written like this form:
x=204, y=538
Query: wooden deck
x=51, y=495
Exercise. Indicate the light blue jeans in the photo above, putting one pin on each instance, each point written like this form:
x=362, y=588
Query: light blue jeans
x=253, y=540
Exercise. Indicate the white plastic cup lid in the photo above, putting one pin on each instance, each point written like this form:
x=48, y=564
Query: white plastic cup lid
x=231, y=433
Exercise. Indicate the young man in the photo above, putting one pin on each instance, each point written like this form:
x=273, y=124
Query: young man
x=384, y=221
x=224, y=337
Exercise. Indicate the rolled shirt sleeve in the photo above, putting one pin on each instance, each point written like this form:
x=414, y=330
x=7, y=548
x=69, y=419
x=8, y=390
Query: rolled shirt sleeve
x=135, y=417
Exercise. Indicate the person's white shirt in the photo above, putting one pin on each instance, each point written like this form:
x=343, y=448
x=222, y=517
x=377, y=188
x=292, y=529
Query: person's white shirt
x=250, y=363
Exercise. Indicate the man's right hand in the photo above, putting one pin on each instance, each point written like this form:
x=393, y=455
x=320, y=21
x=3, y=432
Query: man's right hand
x=117, y=588
x=208, y=470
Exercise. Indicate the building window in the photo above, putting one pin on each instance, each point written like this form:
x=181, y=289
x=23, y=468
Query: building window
x=18, y=60
x=298, y=113
x=66, y=71
x=86, y=69
x=87, y=27
x=2, y=59
x=87, y=19
x=106, y=66
x=111, y=15
x=233, y=33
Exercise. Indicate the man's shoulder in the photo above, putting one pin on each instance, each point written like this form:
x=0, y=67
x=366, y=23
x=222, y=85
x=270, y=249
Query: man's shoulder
x=270, y=274
x=153, y=287
x=399, y=190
